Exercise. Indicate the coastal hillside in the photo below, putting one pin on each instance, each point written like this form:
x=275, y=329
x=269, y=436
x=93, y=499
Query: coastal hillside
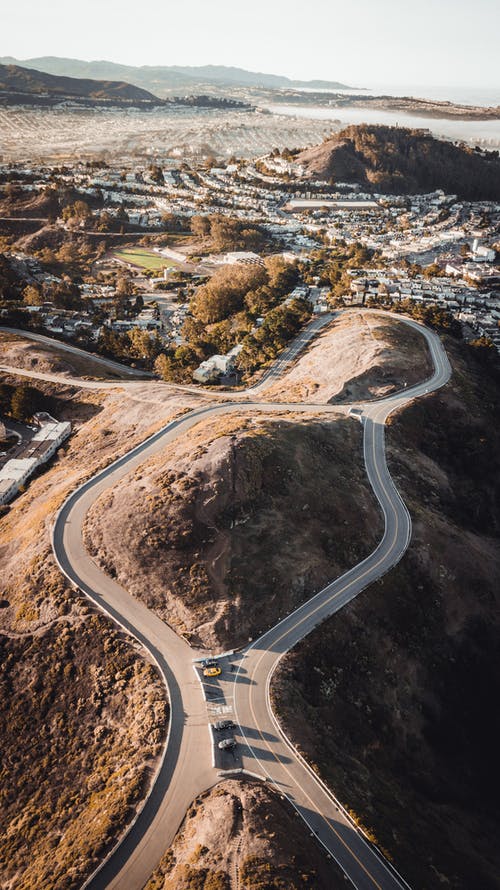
x=395, y=160
x=14, y=79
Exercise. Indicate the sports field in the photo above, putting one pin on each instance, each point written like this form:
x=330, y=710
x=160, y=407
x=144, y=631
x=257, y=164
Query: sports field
x=146, y=259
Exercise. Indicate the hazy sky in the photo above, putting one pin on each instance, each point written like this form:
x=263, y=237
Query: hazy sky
x=360, y=42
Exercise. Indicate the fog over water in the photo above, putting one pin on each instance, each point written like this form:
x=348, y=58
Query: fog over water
x=461, y=95
x=486, y=133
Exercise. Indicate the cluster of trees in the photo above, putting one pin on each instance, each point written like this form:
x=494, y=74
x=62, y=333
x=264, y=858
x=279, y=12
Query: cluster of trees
x=76, y=213
x=133, y=347
x=254, y=289
x=156, y=174
x=260, y=345
x=329, y=265
x=9, y=282
x=228, y=234
x=428, y=313
x=225, y=308
x=64, y=294
x=280, y=326
x=21, y=402
x=396, y=160
x=224, y=312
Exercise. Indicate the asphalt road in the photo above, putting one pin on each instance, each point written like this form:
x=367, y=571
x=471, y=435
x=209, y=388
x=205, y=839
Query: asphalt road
x=308, y=333
x=186, y=768
x=267, y=750
x=106, y=363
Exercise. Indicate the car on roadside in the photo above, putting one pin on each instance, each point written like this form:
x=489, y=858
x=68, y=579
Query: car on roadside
x=226, y=744
x=223, y=724
x=208, y=663
x=214, y=671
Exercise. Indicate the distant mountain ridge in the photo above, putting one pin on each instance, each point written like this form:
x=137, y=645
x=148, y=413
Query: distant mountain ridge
x=162, y=79
x=31, y=82
x=27, y=86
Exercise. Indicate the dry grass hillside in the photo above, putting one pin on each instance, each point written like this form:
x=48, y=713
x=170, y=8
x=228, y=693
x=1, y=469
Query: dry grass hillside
x=18, y=352
x=238, y=522
x=399, y=708
x=241, y=834
x=82, y=712
x=362, y=356
x=231, y=526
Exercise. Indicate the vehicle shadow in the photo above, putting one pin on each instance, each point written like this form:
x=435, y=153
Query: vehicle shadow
x=250, y=732
x=239, y=678
x=264, y=754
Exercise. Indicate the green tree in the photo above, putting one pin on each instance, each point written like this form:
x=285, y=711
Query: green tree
x=200, y=226
x=138, y=304
x=24, y=402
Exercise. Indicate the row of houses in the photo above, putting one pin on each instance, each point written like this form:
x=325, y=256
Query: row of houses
x=31, y=455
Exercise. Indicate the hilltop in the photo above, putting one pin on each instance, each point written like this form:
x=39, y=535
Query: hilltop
x=243, y=829
x=395, y=160
x=207, y=534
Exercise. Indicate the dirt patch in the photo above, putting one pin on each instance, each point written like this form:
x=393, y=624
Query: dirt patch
x=242, y=835
x=238, y=522
x=362, y=356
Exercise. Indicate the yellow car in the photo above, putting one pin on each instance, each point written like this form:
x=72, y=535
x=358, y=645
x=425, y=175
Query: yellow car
x=212, y=671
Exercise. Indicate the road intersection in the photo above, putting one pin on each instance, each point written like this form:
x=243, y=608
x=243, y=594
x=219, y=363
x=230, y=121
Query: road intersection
x=187, y=767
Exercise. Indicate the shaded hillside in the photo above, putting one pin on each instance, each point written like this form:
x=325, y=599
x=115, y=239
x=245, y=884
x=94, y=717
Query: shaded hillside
x=394, y=160
x=14, y=79
x=396, y=694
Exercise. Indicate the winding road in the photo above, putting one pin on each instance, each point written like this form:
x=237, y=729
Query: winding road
x=187, y=768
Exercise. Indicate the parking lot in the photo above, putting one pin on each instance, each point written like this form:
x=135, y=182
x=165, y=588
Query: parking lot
x=216, y=677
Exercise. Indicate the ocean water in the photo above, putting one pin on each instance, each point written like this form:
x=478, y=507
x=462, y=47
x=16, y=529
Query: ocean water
x=485, y=96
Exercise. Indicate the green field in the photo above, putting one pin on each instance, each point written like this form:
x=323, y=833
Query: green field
x=146, y=259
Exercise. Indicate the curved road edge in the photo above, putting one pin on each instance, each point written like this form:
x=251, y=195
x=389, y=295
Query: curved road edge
x=397, y=531
x=123, y=462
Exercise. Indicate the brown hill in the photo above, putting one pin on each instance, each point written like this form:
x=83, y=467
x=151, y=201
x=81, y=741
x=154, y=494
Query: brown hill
x=243, y=829
x=397, y=710
x=14, y=79
x=394, y=160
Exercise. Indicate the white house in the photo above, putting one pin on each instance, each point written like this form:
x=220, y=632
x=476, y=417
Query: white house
x=213, y=367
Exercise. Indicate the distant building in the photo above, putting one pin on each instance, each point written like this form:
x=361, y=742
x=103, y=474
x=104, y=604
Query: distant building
x=242, y=257
x=482, y=254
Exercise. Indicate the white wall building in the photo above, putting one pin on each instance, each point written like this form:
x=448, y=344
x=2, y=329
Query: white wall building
x=44, y=444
